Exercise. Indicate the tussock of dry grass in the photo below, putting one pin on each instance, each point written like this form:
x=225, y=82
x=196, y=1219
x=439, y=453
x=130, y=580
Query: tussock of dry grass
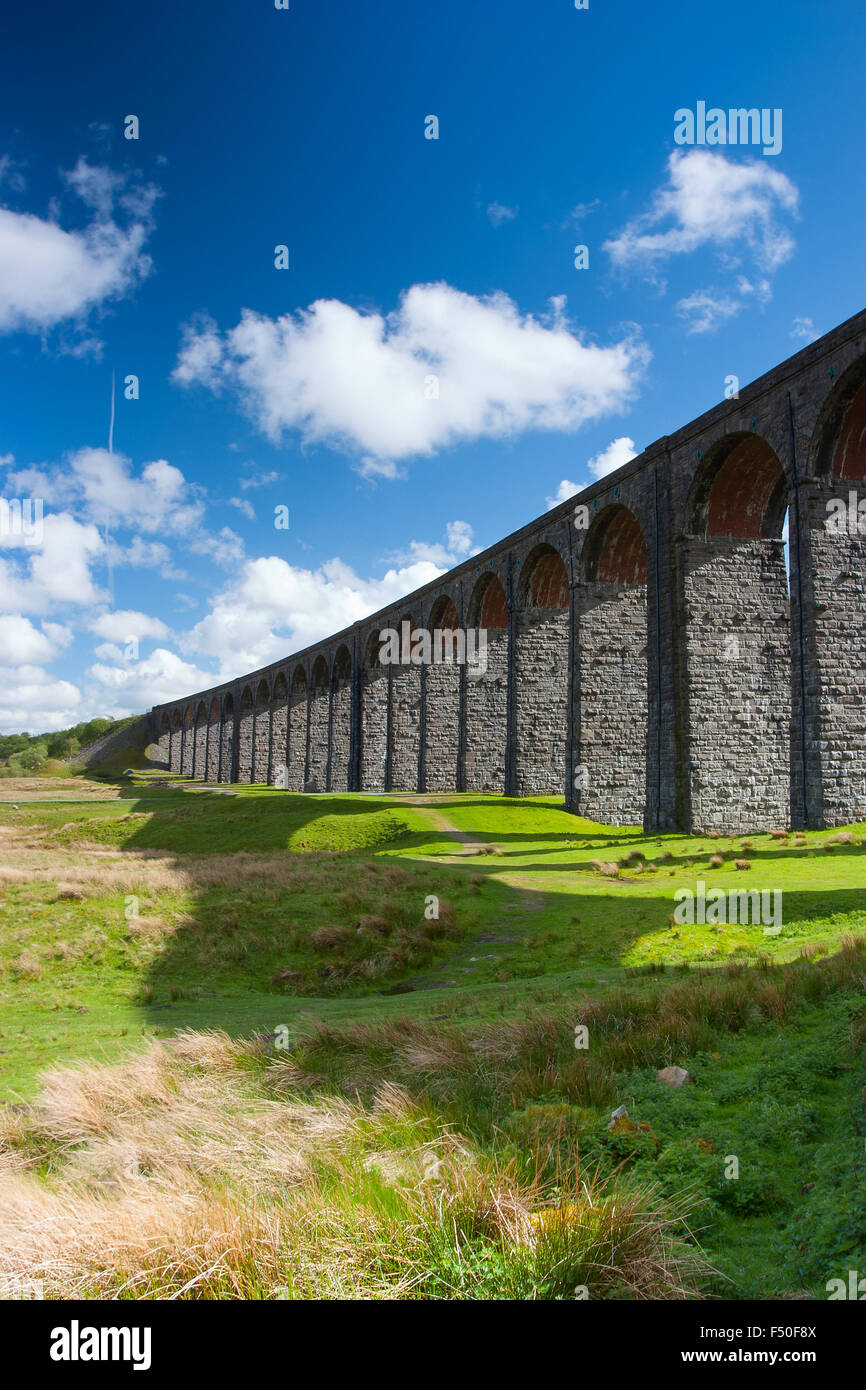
x=608, y=869
x=194, y=1170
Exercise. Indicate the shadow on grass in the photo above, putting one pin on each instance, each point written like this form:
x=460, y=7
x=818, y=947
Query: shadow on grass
x=330, y=924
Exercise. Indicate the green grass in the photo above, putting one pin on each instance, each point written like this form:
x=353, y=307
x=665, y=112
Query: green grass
x=258, y=911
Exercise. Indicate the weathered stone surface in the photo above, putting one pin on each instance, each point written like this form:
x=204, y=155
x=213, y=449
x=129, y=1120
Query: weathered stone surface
x=375, y=716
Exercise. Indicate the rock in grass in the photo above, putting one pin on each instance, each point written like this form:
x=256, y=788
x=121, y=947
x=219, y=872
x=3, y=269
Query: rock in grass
x=673, y=1076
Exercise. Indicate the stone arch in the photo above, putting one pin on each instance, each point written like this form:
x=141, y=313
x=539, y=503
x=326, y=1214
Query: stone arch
x=405, y=706
x=737, y=620
x=279, y=729
x=187, y=759
x=740, y=490
x=199, y=752
x=838, y=446
x=227, y=740
x=486, y=719
x=298, y=717
x=340, y=742
x=262, y=734
x=317, y=771
x=374, y=681
x=176, y=740
x=610, y=678
x=539, y=696
x=246, y=723
x=614, y=551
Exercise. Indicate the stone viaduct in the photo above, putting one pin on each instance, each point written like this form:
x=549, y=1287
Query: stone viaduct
x=648, y=655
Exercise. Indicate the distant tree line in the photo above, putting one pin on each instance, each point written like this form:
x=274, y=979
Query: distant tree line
x=23, y=754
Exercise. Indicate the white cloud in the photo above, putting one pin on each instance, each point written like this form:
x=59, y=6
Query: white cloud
x=565, y=490
x=225, y=546
x=109, y=651
x=274, y=608
x=35, y=579
x=710, y=200
x=113, y=507
x=9, y=173
x=499, y=213
x=582, y=210
x=762, y=290
x=244, y=506
x=618, y=452
x=200, y=359
x=258, y=480
x=116, y=507
x=125, y=623
x=457, y=546
x=360, y=381
x=48, y=274
x=706, y=310
x=32, y=700
x=22, y=644
x=57, y=634
x=160, y=500
x=804, y=330
x=459, y=537
x=129, y=688
x=104, y=489
x=142, y=554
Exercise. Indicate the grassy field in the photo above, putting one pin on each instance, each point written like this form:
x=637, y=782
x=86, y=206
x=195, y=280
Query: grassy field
x=381, y=994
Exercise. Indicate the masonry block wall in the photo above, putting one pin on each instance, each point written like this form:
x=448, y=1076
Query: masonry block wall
x=340, y=748
x=442, y=689
x=297, y=759
x=486, y=719
x=374, y=721
x=404, y=734
x=648, y=656
x=836, y=657
x=609, y=777
x=485, y=708
x=738, y=664
x=318, y=723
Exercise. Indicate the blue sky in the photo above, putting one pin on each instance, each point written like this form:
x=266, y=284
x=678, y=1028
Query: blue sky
x=409, y=258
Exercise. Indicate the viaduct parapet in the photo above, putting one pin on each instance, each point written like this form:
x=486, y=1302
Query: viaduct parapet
x=647, y=654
